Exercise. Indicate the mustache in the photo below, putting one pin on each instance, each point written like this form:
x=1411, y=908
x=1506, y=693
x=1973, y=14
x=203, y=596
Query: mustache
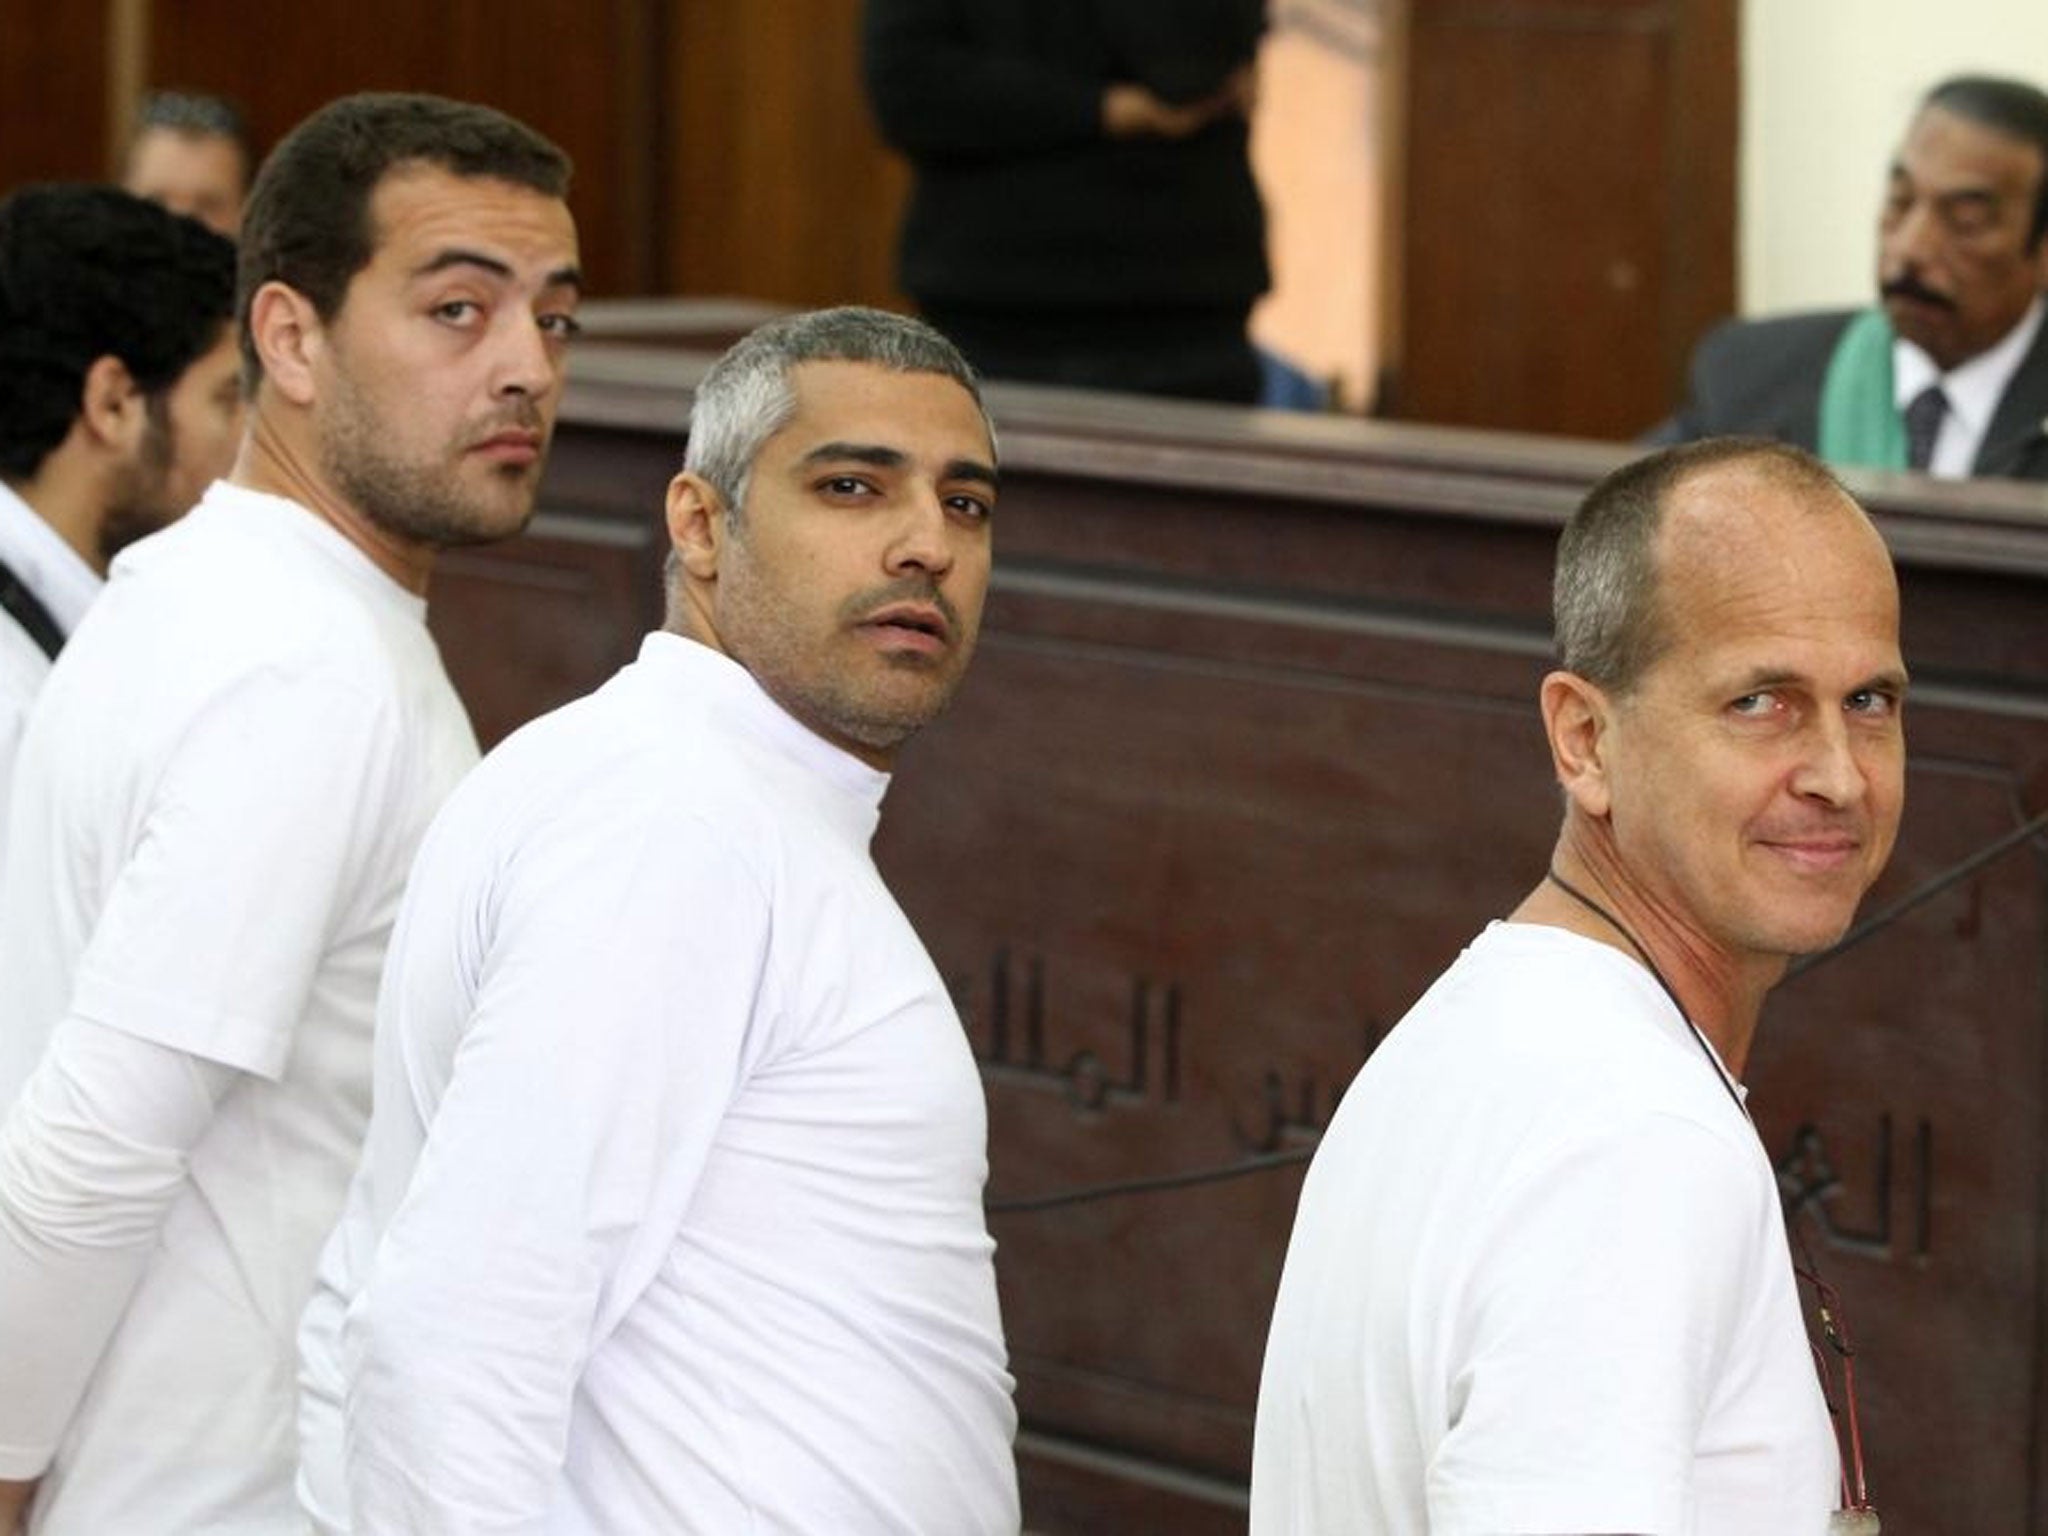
x=905, y=589
x=520, y=416
x=1907, y=286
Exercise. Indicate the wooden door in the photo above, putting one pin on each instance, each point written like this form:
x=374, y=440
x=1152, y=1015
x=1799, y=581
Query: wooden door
x=1568, y=212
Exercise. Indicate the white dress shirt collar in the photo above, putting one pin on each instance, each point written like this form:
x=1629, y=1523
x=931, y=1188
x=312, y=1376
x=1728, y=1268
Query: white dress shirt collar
x=1973, y=389
x=52, y=570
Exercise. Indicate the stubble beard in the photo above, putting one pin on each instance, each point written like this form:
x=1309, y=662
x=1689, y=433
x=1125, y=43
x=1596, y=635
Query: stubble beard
x=141, y=507
x=839, y=700
x=420, y=502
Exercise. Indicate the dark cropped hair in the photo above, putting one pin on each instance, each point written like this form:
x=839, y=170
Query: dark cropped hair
x=88, y=272
x=308, y=220
x=1606, y=611
x=2011, y=107
x=198, y=116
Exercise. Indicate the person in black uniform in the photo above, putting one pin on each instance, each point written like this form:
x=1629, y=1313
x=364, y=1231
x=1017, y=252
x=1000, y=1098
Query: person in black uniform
x=1084, y=210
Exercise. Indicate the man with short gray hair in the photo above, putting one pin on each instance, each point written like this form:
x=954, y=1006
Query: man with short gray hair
x=1538, y=1281
x=670, y=1214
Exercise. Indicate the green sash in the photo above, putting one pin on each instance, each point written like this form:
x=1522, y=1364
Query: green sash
x=1859, y=419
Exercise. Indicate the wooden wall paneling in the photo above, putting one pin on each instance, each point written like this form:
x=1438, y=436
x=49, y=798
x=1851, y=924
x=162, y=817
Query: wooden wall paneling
x=779, y=186
x=1699, y=192
x=281, y=70
x=1569, y=215
x=53, y=92
x=588, y=77
x=584, y=76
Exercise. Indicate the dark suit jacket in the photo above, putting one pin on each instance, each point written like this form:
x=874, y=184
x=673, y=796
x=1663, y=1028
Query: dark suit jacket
x=1763, y=377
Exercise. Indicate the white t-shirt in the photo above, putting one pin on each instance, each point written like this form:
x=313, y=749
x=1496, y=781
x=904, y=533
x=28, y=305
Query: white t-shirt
x=670, y=1212
x=218, y=796
x=1539, y=1281
x=65, y=585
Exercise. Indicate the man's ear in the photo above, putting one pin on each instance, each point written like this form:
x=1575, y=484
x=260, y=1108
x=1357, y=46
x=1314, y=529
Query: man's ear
x=696, y=525
x=111, y=409
x=288, y=336
x=1578, y=718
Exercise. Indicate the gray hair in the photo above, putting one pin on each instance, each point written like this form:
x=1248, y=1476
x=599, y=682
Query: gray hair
x=1605, y=609
x=746, y=398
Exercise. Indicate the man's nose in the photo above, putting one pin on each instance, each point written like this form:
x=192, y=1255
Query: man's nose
x=1830, y=768
x=526, y=362
x=1911, y=242
x=923, y=534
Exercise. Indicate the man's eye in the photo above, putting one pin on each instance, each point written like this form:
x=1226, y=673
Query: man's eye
x=1872, y=701
x=846, y=485
x=457, y=310
x=1754, y=703
x=977, y=508
x=561, y=326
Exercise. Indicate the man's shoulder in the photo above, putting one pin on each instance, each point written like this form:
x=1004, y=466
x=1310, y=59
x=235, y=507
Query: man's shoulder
x=605, y=768
x=217, y=596
x=1773, y=341
x=1760, y=376
x=1527, y=1004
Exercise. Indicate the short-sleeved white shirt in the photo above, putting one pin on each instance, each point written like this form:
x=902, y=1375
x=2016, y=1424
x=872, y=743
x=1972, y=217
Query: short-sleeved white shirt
x=1539, y=1280
x=217, y=799
x=670, y=1212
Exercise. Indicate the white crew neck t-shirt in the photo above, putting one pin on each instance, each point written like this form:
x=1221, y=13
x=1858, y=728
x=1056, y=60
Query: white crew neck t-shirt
x=670, y=1212
x=1539, y=1281
x=217, y=800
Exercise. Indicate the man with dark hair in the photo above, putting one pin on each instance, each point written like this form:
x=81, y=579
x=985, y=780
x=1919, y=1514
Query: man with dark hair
x=1539, y=1281
x=217, y=798
x=1950, y=373
x=118, y=404
x=194, y=155
x=670, y=1214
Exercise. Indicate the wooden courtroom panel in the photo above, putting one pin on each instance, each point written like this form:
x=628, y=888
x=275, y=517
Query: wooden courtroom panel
x=588, y=76
x=53, y=90
x=1568, y=218
x=1250, y=750
x=777, y=184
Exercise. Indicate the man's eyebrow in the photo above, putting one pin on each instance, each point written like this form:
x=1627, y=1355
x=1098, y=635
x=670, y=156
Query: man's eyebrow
x=880, y=456
x=1986, y=196
x=1765, y=678
x=441, y=261
x=973, y=469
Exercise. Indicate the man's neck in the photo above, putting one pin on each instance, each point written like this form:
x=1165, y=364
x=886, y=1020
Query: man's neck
x=278, y=458
x=1598, y=899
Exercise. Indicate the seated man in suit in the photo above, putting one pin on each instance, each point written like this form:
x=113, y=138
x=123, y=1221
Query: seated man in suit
x=1949, y=374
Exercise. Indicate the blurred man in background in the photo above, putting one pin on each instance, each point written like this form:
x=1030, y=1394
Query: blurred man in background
x=193, y=154
x=119, y=403
x=1948, y=374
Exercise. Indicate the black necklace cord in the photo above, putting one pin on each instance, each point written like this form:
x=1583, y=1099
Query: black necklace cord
x=1721, y=1074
